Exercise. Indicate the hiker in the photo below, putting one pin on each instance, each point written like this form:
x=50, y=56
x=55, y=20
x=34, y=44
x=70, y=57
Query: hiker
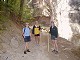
x=54, y=36
x=36, y=31
x=26, y=36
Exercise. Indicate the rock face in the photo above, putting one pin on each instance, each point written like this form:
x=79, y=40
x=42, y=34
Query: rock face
x=63, y=19
x=68, y=15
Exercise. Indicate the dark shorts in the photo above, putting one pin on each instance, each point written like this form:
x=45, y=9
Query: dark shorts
x=53, y=37
x=27, y=39
x=37, y=35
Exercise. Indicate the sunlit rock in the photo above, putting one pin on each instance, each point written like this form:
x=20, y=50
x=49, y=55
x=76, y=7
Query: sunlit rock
x=63, y=19
x=68, y=16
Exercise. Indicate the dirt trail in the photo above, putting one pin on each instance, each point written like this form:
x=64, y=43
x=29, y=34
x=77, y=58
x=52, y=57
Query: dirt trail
x=39, y=52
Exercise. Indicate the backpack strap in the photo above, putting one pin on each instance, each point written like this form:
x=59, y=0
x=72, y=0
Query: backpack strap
x=24, y=30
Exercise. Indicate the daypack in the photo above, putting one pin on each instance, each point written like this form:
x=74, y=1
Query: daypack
x=36, y=31
x=24, y=30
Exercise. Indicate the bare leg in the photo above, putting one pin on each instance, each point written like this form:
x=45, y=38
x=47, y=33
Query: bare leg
x=26, y=46
x=38, y=39
x=53, y=42
x=56, y=46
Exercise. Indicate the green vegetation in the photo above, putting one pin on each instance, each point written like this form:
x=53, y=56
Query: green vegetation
x=15, y=10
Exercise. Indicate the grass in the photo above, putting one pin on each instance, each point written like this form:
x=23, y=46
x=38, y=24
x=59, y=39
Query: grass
x=29, y=20
x=3, y=20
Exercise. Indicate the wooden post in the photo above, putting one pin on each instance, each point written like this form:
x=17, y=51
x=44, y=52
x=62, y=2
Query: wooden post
x=48, y=42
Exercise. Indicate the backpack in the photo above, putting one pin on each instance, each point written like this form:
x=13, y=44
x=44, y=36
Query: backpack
x=24, y=29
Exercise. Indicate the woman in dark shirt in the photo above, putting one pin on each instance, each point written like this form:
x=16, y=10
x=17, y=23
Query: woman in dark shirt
x=54, y=36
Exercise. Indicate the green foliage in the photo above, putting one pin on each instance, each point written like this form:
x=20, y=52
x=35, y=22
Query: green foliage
x=3, y=20
x=27, y=12
x=6, y=7
x=29, y=20
x=14, y=6
x=11, y=9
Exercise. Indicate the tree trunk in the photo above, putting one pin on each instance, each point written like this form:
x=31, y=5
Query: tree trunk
x=21, y=10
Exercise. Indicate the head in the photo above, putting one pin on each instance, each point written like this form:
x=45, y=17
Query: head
x=52, y=23
x=26, y=24
x=36, y=23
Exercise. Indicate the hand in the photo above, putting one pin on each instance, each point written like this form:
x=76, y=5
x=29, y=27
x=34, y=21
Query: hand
x=23, y=36
x=31, y=38
x=56, y=38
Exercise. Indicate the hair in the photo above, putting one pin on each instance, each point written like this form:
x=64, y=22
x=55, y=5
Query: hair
x=36, y=21
x=52, y=22
x=26, y=23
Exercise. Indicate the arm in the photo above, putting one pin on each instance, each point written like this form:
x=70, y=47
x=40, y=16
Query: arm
x=33, y=30
x=40, y=28
x=23, y=33
x=56, y=32
x=50, y=30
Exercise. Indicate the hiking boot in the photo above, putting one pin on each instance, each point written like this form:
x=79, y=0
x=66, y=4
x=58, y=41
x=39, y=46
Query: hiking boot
x=56, y=52
x=25, y=52
x=28, y=50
